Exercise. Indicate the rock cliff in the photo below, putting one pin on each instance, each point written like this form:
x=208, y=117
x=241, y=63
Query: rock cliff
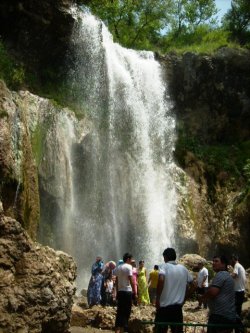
x=36, y=283
x=212, y=106
x=38, y=34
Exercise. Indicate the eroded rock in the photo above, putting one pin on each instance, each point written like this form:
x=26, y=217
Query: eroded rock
x=36, y=283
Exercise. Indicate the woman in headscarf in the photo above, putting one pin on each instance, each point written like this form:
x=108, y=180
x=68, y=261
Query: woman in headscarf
x=107, y=275
x=95, y=283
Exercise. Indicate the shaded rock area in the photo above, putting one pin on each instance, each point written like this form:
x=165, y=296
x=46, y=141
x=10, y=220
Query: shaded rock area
x=211, y=99
x=211, y=94
x=38, y=34
x=36, y=283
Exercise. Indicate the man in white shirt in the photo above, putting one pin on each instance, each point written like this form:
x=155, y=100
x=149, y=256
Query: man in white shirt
x=202, y=283
x=171, y=291
x=125, y=287
x=239, y=276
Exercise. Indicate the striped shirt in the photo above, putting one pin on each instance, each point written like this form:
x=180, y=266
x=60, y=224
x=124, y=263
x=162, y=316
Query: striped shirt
x=223, y=303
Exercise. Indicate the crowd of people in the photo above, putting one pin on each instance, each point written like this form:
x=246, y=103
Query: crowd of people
x=168, y=285
x=102, y=288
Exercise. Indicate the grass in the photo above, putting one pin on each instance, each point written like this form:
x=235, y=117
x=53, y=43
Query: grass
x=203, y=40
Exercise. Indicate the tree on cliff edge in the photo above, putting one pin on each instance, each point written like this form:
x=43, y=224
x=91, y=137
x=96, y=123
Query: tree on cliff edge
x=142, y=24
x=237, y=21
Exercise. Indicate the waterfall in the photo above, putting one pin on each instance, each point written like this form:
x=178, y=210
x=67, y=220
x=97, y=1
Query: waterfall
x=122, y=192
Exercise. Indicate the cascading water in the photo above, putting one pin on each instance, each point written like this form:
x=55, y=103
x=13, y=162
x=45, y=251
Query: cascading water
x=123, y=191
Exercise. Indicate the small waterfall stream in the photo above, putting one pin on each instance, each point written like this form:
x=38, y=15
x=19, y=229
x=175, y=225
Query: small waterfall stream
x=120, y=189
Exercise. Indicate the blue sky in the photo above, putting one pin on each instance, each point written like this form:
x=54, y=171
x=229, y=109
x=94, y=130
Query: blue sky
x=223, y=6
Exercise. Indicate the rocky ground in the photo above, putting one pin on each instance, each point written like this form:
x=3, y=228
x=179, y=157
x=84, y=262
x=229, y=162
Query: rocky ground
x=99, y=318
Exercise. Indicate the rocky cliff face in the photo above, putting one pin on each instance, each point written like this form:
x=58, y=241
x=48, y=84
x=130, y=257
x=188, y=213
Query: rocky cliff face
x=38, y=34
x=212, y=107
x=36, y=283
x=18, y=171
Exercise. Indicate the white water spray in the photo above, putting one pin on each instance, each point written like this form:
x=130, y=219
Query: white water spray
x=123, y=193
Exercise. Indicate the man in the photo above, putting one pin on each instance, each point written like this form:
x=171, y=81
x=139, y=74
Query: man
x=152, y=284
x=171, y=291
x=125, y=287
x=202, y=283
x=239, y=276
x=220, y=297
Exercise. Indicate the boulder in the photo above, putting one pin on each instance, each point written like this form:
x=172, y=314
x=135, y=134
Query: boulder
x=36, y=282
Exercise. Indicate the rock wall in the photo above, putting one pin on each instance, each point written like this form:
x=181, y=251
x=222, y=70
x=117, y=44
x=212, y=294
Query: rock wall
x=212, y=105
x=36, y=283
x=211, y=94
x=18, y=171
x=38, y=35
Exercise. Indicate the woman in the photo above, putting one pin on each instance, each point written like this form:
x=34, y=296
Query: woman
x=95, y=283
x=143, y=296
x=107, y=275
x=135, y=278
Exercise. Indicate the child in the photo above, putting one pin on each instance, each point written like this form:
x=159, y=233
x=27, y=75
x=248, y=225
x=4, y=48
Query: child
x=109, y=291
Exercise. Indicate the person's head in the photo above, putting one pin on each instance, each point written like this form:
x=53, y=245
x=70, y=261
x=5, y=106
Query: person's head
x=169, y=254
x=156, y=267
x=200, y=264
x=220, y=263
x=100, y=265
x=112, y=265
x=98, y=259
x=141, y=263
x=120, y=262
x=234, y=259
x=133, y=263
x=127, y=257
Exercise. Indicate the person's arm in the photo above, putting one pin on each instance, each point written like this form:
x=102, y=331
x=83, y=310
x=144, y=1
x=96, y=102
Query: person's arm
x=235, y=272
x=131, y=280
x=149, y=280
x=190, y=289
x=204, y=280
x=159, y=289
x=211, y=293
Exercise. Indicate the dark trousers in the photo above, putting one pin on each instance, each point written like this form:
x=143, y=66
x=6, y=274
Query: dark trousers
x=169, y=314
x=103, y=293
x=124, y=304
x=220, y=320
x=239, y=299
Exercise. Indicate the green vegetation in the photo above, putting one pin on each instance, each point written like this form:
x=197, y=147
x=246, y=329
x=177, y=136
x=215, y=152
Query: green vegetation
x=17, y=76
x=37, y=142
x=166, y=25
x=232, y=160
x=202, y=40
x=237, y=21
x=10, y=71
x=247, y=171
